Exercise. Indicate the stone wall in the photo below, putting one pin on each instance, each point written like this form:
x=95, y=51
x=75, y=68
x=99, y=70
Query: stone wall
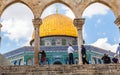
x=99, y=69
x=3, y=60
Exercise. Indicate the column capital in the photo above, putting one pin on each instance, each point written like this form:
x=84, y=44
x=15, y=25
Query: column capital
x=78, y=22
x=37, y=22
x=117, y=21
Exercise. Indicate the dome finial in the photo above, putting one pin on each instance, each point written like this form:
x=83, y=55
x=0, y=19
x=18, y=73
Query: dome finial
x=56, y=9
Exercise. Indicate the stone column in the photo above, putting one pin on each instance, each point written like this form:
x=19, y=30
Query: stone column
x=36, y=22
x=78, y=22
x=0, y=34
x=117, y=22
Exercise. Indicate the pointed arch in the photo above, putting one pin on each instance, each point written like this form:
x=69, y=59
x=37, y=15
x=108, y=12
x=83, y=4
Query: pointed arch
x=14, y=2
x=108, y=4
x=53, y=2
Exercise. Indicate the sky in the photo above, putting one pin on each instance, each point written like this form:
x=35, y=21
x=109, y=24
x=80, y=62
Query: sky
x=99, y=29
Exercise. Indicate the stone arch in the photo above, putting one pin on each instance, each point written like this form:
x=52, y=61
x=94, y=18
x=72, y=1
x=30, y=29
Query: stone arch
x=108, y=4
x=14, y=2
x=56, y=1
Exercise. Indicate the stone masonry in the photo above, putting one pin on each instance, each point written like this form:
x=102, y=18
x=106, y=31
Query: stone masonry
x=4, y=61
x=98, y=69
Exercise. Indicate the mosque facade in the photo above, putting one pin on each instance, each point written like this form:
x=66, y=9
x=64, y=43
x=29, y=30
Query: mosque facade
x=55, y=55
x=55, y=33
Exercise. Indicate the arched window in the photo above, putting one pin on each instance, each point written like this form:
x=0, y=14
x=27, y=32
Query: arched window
x=42, y=42
x=53, y=42
x=15, y=62
x=94, y=60
x=21, y=62
x=67, y=60
x=74, y=42
x=47, y=61
x=29, y=62
x=99, y=61
x=63, y=41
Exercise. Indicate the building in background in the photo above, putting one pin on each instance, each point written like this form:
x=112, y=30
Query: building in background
x=55, y=55
x=56, y=32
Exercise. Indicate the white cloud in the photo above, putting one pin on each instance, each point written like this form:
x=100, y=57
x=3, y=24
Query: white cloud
x=17, y=22
x=95, y=9
x=68, y=12
x=52, y=10
x=26, y=43
x=103, y=43
x=48, y=11
x=19, y=11
x=17, y=29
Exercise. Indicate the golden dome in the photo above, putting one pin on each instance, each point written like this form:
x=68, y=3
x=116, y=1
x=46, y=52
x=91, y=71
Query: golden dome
x=57, y=25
